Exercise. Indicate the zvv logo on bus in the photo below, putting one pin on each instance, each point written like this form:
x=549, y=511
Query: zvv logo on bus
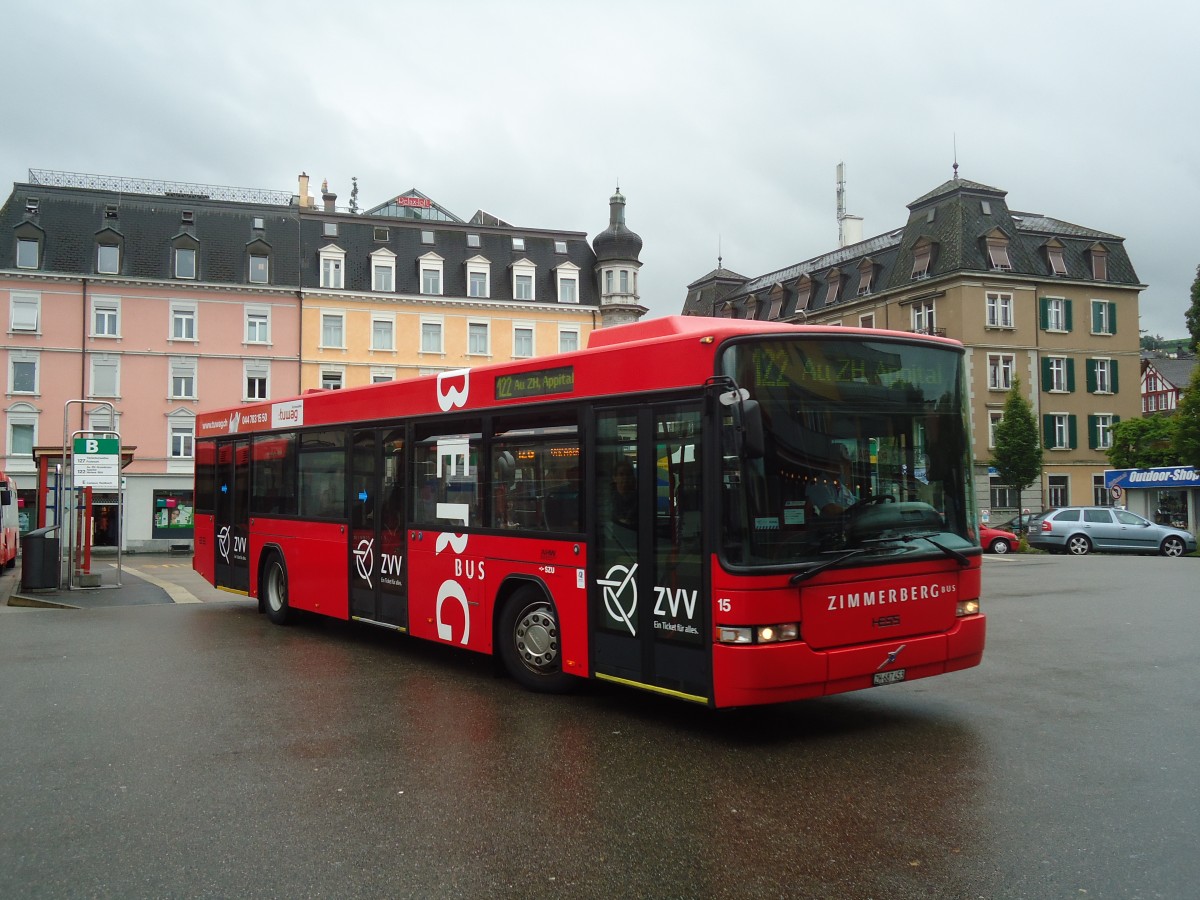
x=364, y=559
x=227, y=540
x=618, y=582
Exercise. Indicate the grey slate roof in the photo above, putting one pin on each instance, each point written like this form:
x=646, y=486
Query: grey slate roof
x=956, y=217
x=1177, y=371
x=69, y=220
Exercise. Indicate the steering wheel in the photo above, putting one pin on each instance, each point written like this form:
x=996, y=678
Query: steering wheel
x=878, y=498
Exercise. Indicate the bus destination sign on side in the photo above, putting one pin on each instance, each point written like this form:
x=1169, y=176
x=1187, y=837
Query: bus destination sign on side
x=535, y=384
x=96, y=463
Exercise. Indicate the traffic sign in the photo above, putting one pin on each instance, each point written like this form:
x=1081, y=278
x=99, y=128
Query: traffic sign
x=96, y=463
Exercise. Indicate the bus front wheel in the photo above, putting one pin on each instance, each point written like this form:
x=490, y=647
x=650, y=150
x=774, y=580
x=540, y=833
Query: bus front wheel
x=275, y=590
x=530, y=644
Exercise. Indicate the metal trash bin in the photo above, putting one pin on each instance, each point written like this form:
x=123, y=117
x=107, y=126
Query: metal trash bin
x=39, y=559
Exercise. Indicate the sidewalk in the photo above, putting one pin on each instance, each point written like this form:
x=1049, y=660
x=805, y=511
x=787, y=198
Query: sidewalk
x=137, y=588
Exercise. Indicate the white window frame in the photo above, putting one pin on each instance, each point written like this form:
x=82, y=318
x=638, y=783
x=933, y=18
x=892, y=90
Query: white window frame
x=25, y=356
x=37, y=252
x=1000, y=309
x=473, y=242
x=181, y=254
x=260, y=370
x=1107, y=325
x=21, y=415
x=382, y=374
x=568, y=340
x=388, y=320
x=383, y=260
x=329, y=229
x=566, y=273
x=330, y=317
x=181, y=440
x=518, y=244
x=266, y=269
x=430, y=326
x=519, y=330
x=110, y=309
x=98, y=363
x=431, y=269
x=924, y=317
x=257, y=316
x=1062, y=431
x=479, y=265
x=867, y=321
x=995, y=417
x=474, y=327
x=1058, y=374
x=25, y=313
x=523, y=268
x=181, y=378
x=114, y=270
x=1103, y=374
x=1001, y=367
x=1056, y=314
x=330, y=374
x=428, y=237
x=333, y=267
x=1104, y=431
x=183, y=311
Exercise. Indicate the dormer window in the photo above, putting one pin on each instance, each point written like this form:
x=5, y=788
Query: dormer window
x=866, y=275
x=560, y=246
x=523, y=272
x=188, y=217
x=108, y=259
x=479, y=277
x=185, y=262
x=804, y=291
x=567, y=276
x=1055, y=258
x=834, y=282
x=1099, y=255
x=473, y=240
x=110, y=211
x=922, y=258
x=430, y=266
x=383, y=270
x=519, y=244
x=31, y=205
x=27, y=253
x=997, y=251
x=333, y=262
x=258, y=223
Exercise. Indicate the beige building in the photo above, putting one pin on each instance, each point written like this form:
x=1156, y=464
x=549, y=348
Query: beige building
x=1029, y=296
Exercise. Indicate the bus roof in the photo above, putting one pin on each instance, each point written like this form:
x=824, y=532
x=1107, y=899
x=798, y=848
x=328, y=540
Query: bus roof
x=616, y=362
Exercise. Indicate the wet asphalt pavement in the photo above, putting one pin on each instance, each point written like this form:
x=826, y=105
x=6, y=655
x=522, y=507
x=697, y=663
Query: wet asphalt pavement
x=196, y=750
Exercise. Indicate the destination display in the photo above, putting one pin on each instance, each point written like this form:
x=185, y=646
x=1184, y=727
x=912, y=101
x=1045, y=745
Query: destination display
x=535, y=384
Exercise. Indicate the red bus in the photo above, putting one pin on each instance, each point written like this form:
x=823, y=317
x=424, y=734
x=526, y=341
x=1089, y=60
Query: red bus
x=667, y=509
x=10, y=525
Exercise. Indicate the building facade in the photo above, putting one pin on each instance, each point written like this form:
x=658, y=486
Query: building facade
x=162, y=298
x=1031, y=296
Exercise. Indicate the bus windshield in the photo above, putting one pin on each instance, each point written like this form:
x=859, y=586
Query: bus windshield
x=865, y=452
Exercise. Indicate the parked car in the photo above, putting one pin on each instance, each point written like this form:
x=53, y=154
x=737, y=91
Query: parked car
x=1082, y=529
x=997, y=540
x=1019, y=524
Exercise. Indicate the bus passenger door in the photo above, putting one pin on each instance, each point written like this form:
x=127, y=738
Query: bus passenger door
x=233, y=517
x=378, y=586
x=650, y=616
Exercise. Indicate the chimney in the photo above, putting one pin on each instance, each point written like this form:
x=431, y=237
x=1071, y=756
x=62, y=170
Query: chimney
x=328, y=197
x=305, y=199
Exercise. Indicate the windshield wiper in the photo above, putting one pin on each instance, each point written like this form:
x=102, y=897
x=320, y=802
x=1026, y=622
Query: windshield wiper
x=963, y=559
x=828, y=564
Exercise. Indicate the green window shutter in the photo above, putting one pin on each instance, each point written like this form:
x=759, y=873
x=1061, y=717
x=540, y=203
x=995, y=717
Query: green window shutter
x=1112, y=318
x=1091, y=375
x=1116, y=419
x=1067, y=314
x=1072, y=433
x=1047, y=431
x=1112, y=376
x=1096, y=318
x=1071, y=375
x=1044, y=312
x=1046, y=376
x=1093, y=433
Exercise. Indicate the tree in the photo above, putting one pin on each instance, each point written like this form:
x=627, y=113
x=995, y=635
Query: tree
x=1187, y=420
x=1192, y=316
x=1018, y=454
x=1143, y=443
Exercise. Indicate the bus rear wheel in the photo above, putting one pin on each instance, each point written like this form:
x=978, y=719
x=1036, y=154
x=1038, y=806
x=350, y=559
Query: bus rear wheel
x=275, y=590
x=530, y=644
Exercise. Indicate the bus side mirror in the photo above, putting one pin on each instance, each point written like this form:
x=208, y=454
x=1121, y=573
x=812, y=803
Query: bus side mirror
x=754, y=441
x=5, y=497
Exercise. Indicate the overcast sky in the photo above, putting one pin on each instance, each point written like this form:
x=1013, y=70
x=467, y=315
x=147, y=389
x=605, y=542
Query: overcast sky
x=723, y=122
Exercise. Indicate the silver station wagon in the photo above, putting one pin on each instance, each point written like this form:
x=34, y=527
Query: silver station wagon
x=1082, y=529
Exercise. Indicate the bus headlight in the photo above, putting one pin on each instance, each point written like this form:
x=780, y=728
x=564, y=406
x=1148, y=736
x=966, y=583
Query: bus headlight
x=967, y=608
x=773, y=634
x=760, y=634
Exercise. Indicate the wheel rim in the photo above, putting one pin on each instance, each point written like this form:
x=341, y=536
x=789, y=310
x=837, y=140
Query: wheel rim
x=276, y=587
x=1000, y=547
x=1172, y=547
x=535, y=636
x=1078, y=545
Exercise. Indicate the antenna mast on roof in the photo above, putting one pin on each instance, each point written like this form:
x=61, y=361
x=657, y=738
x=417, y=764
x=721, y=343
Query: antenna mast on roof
x=841, y=203
x=718, y=251
x=956, y=157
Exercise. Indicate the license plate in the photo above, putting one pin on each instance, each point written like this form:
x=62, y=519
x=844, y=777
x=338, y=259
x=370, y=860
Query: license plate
x=887, y=677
